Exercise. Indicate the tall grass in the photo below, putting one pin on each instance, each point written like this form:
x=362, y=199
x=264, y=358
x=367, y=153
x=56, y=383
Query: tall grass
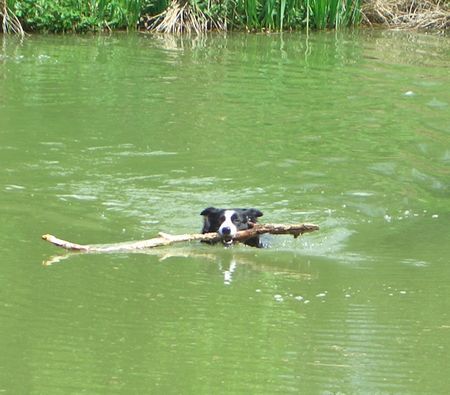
x=325, y=14
x=289, y=14
x=281, y=15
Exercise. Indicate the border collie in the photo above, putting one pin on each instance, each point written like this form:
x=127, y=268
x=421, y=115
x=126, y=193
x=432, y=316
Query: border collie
x=227, y=222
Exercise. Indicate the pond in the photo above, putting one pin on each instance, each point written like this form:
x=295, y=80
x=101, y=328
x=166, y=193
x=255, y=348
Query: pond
x=116, y=138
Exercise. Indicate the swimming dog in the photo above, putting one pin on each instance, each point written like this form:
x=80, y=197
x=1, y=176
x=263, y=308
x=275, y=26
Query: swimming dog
x=227, y=222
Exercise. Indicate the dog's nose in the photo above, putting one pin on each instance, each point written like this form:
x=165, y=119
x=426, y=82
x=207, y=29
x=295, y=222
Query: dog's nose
x=226, y=230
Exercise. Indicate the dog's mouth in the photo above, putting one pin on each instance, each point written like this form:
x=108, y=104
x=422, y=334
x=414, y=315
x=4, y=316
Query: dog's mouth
x=227, y=240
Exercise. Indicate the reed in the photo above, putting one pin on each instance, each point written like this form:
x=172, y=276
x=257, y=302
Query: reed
x=325, y=14
x=269, y=15
x=278, y=15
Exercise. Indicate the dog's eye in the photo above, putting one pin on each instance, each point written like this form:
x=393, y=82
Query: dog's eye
x=234, y=217
x=222, y=218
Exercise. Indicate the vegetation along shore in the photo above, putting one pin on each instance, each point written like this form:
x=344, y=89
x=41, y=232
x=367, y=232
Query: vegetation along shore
x=179, y=16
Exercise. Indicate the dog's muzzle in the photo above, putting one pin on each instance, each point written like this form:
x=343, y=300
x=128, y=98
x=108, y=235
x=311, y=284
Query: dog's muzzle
x=227, y=238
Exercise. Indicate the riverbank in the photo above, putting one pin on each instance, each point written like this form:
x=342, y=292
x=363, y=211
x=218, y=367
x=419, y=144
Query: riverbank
x=178, y=16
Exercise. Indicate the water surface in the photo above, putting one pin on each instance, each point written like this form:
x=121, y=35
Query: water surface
x=114, y=138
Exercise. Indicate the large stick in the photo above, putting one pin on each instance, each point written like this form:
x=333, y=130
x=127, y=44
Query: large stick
x=165, y=239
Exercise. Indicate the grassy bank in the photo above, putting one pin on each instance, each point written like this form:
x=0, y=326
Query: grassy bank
x=175, y=16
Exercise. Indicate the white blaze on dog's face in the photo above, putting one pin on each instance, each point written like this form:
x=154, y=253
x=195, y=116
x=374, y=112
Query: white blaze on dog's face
x=228, y=227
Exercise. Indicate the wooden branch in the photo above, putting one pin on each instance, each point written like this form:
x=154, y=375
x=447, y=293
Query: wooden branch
x=166, y=239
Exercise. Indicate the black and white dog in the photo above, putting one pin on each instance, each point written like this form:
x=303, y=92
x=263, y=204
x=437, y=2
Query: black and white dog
x=227, y=222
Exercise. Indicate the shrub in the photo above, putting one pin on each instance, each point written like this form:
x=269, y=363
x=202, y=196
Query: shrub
x=76, y=15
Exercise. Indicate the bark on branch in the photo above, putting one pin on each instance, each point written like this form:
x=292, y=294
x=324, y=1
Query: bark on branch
x=166, y=239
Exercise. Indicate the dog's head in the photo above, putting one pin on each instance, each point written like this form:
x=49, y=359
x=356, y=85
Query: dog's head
x=227, y=222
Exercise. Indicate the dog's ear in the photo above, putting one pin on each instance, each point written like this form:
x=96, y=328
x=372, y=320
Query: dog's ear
x=253, y=213
x=209, y=210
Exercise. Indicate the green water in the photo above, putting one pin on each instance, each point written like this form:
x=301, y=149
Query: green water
x=114, y=138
